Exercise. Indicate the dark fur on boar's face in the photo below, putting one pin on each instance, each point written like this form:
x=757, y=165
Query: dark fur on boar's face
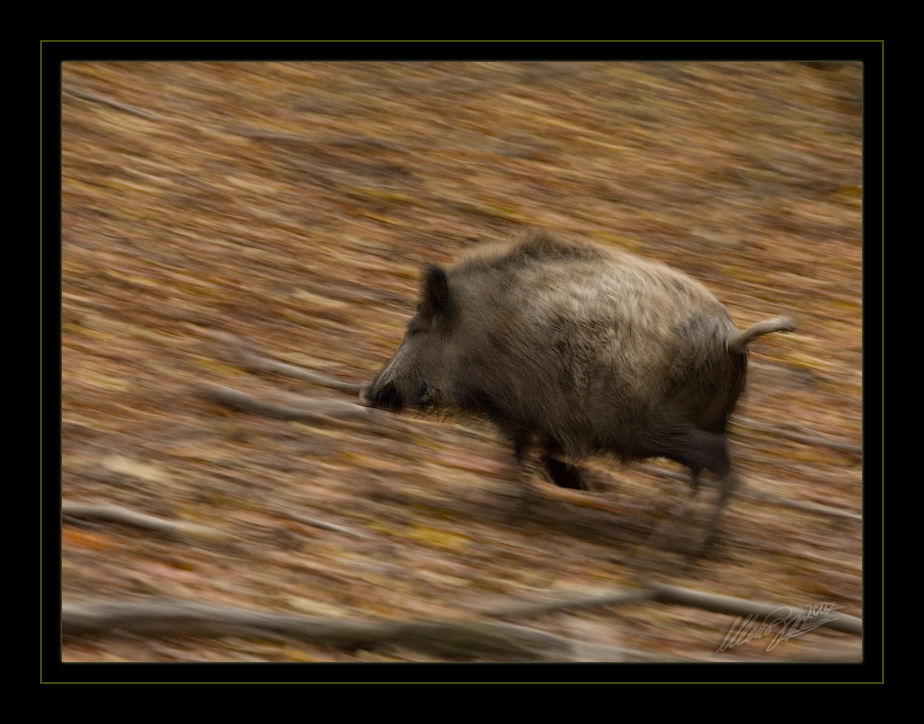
x=579, y=349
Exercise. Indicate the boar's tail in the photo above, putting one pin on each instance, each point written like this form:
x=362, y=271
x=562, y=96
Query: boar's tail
x=740, y=342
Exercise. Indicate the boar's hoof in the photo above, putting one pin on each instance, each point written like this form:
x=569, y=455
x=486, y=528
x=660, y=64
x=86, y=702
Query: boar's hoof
x=565, y=475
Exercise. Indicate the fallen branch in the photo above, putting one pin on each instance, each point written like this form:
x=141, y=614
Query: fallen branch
x=768, y=612
x=263, y=363
x=311, y=409
x=455, y=639
x=84, y=513
x=618, y=596
x=452, y=639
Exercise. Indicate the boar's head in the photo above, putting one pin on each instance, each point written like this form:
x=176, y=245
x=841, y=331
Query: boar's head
x=414, y=376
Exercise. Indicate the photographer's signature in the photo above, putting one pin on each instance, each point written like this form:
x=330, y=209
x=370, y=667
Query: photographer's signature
x=781, y=624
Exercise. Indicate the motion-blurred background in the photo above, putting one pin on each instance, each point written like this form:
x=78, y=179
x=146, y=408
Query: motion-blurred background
x=292, y=204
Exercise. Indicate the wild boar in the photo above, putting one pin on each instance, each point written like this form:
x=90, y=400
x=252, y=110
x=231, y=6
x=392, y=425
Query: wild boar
x=578, y=349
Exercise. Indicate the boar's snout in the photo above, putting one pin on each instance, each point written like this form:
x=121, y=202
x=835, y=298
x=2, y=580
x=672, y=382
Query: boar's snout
x=388, y=396
x=385, y=396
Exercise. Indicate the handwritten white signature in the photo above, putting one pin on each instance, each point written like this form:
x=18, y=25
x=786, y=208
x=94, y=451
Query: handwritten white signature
x=781, y=624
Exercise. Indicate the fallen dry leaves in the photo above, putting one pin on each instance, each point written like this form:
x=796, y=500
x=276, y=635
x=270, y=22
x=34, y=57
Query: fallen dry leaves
x=291, y=204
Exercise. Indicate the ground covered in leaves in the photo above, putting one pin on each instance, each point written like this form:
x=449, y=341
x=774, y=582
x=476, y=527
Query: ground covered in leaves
x=292, y=204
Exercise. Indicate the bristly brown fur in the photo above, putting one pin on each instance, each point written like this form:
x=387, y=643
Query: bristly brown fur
x=582, y=347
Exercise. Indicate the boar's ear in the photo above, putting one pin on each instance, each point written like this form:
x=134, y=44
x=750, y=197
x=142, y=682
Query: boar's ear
x=434, y=293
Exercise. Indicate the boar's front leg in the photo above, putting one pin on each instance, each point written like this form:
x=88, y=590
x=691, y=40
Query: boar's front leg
x=562, y=473
x=727, y=485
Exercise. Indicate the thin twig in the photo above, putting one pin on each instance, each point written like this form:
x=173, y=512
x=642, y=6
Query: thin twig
x=83, y=513
x=260, y=362
x=310, y=409
x=92, y=97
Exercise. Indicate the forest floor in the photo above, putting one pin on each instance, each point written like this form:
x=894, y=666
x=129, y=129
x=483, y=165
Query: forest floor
x=291, y=205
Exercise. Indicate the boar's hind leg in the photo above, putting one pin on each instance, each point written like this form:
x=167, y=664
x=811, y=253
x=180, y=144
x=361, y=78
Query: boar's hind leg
x=700, y=450
x=727, y=485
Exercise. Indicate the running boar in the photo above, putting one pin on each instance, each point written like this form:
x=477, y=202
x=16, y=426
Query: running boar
x=578, y=349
